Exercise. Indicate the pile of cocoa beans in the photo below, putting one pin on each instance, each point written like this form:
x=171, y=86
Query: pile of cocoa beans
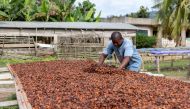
x=84, y=85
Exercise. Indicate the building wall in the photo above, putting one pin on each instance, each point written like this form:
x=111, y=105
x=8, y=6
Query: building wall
x=56, y=33
x=149, y=25
x=141, y=23
x=149, y=29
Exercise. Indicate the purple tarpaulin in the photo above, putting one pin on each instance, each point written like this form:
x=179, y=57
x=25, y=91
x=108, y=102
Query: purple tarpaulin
x=170, y=52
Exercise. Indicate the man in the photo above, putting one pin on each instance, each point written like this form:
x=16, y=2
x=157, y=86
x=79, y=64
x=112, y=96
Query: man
x=125, y=52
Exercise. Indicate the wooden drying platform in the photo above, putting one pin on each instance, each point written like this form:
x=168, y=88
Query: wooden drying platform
x=21, y=95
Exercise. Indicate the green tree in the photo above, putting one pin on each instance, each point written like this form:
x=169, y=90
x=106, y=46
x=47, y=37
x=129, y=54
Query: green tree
x=174, y=16
x=42, y=12
x=4, y=9
x=85, y=11
x=142, y=13
x=47, y=10
x=28, y=10
x=61, y=10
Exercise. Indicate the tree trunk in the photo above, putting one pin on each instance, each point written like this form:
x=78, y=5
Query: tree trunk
x=183, y=37
x=178, y=42
x=159, y=37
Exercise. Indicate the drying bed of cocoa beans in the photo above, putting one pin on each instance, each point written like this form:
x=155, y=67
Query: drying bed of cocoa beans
x=83, y=85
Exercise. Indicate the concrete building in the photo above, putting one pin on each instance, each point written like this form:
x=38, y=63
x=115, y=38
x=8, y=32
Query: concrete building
x=149, y=27
x=145, y=26
x=67, y=37
x=56, y=30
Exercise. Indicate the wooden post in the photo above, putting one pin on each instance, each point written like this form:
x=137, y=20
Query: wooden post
x=90, y=51
x=29, y=43
x=75, y=52
x=158, y=64
x=142, y=62
x=35, y=45
x=55, y=43
x=172, y=61
x=3, y=45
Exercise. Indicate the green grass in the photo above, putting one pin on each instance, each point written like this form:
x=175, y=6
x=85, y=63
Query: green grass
x=10, y=107
x=179, y=69
x=4, y=62
x=7, y=86
x=12, y=97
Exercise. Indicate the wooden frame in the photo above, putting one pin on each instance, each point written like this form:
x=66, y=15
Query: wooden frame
x=20, y=94
x=157, y=59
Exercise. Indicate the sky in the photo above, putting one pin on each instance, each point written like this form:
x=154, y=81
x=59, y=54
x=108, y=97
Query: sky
x=119, y=7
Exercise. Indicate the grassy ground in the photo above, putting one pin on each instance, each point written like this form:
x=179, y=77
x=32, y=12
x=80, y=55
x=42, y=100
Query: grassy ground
x=179, y=68
x=4, y=62
x=10, y=107
x=9, y=98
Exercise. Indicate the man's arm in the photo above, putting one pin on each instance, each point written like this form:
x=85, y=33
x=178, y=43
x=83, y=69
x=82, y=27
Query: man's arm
x=102, y=58
x=108, y=50
x=127, y=55
x=124, y=62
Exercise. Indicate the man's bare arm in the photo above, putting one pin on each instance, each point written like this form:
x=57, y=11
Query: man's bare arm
x=102, y=59
x=124, y=62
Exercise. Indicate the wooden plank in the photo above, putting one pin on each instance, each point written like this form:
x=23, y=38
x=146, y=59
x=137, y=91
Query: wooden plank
x=158, y=64
x=4, y=69
x=81, y=46
x=20, y=93
x=4, y=76
x=16, y=45
x=6, y=82
x=7, y=90
x=8, y=103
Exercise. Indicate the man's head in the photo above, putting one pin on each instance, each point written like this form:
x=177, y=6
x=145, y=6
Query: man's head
x=117, y=39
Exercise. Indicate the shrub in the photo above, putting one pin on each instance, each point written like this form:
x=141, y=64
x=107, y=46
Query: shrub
x=145, y=41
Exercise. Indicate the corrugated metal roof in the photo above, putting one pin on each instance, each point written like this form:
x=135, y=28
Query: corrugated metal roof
x=68, y=25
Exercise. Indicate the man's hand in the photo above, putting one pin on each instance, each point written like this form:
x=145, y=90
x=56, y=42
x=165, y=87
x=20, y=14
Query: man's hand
x=124, y=63
x=101, y=59
x=99, y=64
x=121, y=68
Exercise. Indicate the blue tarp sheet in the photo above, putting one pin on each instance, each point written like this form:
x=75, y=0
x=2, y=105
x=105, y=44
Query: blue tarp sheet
x=170, y=52
x=177, y=50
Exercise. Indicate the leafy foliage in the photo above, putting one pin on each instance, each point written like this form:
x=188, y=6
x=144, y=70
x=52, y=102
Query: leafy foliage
x=48, y=10
x=145, y=41
x=142, y=13
x=174, y=16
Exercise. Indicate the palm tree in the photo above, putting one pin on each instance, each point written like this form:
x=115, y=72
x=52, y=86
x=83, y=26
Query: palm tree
x=174, y=16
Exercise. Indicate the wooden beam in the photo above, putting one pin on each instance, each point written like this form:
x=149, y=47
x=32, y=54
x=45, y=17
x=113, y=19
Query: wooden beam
x=20, y=93
x=4, y=76
x=3, y=69
x=6, y=82
x=8, y=103
x=16, y=45
x=7, y=90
